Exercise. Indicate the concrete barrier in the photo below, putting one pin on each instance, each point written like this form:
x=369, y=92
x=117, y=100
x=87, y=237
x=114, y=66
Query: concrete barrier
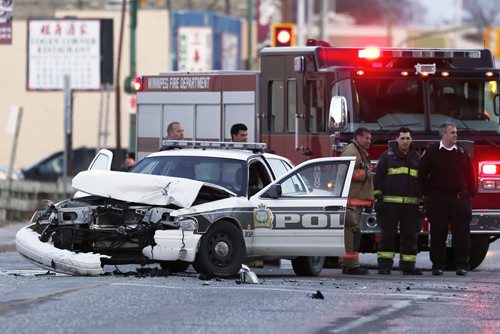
x=25, y=197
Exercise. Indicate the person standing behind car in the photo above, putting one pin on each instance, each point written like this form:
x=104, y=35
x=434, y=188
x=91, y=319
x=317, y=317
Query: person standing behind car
x=446, y=176
x=175, y=131
x=396, y=201
x=129, y=161
x=360, y=196
x=239, y=133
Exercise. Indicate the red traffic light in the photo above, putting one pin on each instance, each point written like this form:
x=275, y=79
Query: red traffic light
x=283, y=34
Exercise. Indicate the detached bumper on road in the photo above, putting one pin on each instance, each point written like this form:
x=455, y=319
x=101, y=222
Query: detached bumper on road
x=51, y=258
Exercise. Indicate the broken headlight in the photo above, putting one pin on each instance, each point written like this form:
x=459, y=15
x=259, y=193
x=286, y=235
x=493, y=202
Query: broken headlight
x=187, y=224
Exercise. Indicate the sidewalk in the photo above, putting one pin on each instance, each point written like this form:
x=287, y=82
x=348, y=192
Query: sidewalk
x=8, y=230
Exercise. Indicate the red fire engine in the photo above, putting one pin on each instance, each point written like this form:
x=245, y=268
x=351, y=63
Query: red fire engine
x=306, y=102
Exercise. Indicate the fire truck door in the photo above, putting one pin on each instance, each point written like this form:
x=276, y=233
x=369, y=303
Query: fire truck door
x=299, y=112
x=311, y=119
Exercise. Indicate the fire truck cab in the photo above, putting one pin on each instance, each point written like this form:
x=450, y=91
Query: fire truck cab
x=306, y=102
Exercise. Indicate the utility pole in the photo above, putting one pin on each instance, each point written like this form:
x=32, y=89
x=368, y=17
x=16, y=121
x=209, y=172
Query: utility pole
x=118, y=159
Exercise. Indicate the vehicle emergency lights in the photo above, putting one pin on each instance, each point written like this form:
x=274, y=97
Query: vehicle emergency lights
x=489, y=176
x=167, y=143
x=369, y=53
x=489, y=168
x=283, y=34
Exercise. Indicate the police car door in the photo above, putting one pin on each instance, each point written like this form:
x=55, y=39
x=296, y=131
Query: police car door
x=302, y=213
x=102, y=160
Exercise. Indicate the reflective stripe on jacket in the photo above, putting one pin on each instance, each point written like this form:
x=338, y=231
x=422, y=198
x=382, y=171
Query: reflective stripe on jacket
x=396, y=176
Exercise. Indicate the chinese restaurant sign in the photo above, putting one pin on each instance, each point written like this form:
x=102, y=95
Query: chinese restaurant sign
x=64, y=47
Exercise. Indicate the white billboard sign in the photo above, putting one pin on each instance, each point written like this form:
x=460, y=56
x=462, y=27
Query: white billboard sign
x=229, y=54
x=195, y=49
x=60, y=47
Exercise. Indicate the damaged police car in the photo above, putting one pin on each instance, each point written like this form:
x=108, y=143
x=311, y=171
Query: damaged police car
x=214, y=208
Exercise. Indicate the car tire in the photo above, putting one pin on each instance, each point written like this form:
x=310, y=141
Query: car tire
x=221, y=251
x=308, y=265
x=175, y=266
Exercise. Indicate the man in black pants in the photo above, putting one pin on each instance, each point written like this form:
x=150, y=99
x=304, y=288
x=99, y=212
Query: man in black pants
x=396, y=201
x=446, y=176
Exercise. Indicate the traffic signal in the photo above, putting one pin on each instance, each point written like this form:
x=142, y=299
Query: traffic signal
x=283, y=34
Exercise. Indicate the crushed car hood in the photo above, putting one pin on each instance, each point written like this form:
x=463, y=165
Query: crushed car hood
x=141, y=188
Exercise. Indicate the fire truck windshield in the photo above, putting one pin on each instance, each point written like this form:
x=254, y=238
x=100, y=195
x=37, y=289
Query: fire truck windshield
x=385, y=104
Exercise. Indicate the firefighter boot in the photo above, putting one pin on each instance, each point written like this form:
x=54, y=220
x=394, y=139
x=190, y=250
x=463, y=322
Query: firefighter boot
x=384, y=266
x=408, y=268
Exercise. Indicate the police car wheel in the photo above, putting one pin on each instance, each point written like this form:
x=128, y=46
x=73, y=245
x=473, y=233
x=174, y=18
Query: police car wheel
x=174, y=266
x=308, y=265
x=221, y=252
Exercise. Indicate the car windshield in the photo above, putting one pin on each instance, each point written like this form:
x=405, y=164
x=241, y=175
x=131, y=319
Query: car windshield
x=228, y=173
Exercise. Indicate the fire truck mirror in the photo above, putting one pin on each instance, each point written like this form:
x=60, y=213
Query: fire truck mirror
x=338, y=113
x=298, y=64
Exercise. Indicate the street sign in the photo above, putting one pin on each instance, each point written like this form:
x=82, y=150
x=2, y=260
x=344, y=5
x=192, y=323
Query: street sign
x=195, y=49
x=229, y=52
x=59, y=47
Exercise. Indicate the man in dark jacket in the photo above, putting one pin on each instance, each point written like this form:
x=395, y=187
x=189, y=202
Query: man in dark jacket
x=446, y=177
x=396, y=201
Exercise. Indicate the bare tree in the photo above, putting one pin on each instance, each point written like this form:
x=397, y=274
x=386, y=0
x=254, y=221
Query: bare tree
x=481, y=13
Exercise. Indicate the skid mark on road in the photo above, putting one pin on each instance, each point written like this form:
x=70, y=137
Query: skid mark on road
x=20, y=302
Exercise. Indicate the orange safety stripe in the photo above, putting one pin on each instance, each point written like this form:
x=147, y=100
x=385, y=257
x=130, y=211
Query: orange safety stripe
x=359, y=202
x=359, y=175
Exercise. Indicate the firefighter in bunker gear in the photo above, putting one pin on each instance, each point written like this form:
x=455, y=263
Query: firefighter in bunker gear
x=396, y=201
x=360, y=196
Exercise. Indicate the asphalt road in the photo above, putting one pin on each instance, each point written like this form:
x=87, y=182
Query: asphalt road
x=33, y=302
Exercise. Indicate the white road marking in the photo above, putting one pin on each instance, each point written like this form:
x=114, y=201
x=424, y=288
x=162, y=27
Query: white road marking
x=377, y=315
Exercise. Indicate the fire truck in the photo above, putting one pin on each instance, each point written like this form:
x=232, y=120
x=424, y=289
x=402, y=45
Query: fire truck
x=306, y=102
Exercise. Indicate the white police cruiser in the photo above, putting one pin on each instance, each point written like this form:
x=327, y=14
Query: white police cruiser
x=204, y=204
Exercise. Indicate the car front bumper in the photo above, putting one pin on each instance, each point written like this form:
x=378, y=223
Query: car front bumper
x=173, y=245
x=63, y=261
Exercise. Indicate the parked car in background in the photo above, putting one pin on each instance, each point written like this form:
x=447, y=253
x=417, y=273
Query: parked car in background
x=51, y=168
x=4, y=173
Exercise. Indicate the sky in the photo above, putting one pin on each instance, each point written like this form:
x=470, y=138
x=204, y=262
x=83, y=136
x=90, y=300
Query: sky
x=439, y=11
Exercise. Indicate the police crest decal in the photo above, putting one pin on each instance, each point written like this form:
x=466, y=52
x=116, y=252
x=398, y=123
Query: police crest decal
x=262, y=217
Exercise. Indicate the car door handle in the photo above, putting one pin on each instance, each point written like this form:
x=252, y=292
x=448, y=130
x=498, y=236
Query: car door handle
x=333, y=208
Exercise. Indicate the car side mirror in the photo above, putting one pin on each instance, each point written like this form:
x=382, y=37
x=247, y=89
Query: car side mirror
x=338, y=113
x=274, y=191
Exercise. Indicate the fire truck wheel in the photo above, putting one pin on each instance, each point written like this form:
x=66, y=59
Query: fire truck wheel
x=308, y=265
x=479, y=247
x=221, y=251
x=174, y=266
